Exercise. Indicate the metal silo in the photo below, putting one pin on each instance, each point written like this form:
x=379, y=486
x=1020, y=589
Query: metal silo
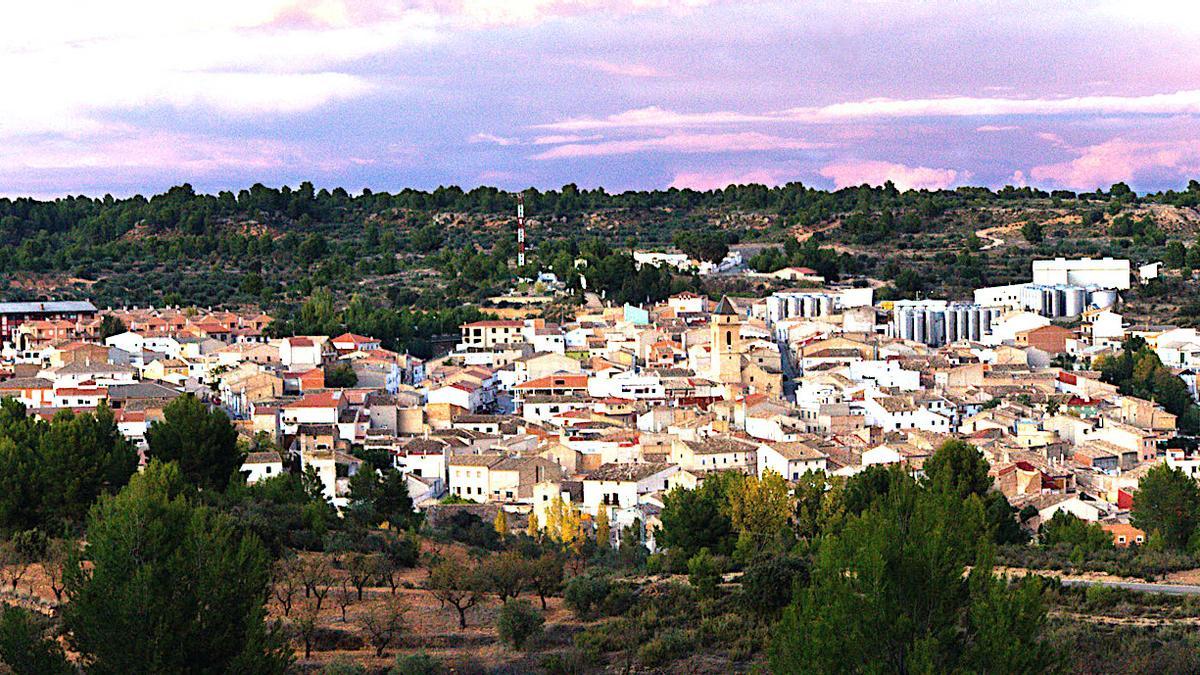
x=1076, y=299
x=810, y=306
x=1104, y=298
x=793, y=305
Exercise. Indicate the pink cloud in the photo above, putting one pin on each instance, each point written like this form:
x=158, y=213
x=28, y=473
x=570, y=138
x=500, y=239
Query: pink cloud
x=621, y=69
x=874, y=172
x=163, y=151
x=1053, y=139
x=713, y=181
x=1119, y=160
x=557, y=139
x=690, y=143
x=493, y=139
x=653, y=116
x=1186, y=102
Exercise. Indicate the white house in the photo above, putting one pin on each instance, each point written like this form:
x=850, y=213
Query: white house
x=261, y=465
x=615, y=486
x=465, y=395
x=300, y=353
x=790, y=459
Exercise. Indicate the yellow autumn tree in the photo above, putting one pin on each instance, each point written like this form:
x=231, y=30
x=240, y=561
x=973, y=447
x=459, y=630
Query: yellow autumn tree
x=603, y=529
x=501, y=523
x=759, y=509
x=563, y=521
x=532, y=529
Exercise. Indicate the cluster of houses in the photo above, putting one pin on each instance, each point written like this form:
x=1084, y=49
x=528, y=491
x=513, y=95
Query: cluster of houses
x=614, y=408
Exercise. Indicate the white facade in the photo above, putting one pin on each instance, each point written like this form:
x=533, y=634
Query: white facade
x=885, y=374
x=1105, y=273
x=791, y=469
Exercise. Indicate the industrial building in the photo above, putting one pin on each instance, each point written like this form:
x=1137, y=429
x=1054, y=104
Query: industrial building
x=799, y=305
x=1064, y=301
x=815, y=304
x=1102, y=273
x=937, y=322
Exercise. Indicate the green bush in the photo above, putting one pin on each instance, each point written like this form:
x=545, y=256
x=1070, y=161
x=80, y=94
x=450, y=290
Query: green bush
x=703, y=573
x=666, y=647
x=571, y=662
x=608, y=636
x=417, y=664
x=620, y=599
x=584, y=595
x=767, y=585
x=517, y=622
x=342, y=665
x=1099, y=597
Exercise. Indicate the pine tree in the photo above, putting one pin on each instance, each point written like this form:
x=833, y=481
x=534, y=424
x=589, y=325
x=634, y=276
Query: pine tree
x=156, y=560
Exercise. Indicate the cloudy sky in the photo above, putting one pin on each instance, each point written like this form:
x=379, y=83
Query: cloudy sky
x=128, y=96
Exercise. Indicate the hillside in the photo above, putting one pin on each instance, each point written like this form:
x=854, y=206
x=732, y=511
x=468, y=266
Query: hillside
x=440, y=249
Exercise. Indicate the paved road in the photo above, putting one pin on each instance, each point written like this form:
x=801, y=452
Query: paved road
x=1168, y=589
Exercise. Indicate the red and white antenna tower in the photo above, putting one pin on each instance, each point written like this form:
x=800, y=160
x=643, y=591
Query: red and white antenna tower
x=520, y=230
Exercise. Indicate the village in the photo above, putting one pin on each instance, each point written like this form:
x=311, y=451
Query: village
x=610, y=411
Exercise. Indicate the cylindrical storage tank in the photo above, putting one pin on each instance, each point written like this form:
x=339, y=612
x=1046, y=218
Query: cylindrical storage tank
x=1031, y=299
x=774, y=309
x=793, y=305
x=907, y=328
x=826, y=305
x=948, y=318
x=1056, y=302
x=973, y=332
x=919, y=325
x=810, y=306
x=964, y=322
x=1104, y=298
x=1075, y=301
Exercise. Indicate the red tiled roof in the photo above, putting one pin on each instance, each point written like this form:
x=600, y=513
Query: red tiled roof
x=353, y=338
x=324, y=399
x=556, y=382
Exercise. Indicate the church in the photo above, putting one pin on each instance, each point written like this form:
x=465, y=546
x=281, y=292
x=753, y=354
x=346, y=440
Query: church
x=736, y=363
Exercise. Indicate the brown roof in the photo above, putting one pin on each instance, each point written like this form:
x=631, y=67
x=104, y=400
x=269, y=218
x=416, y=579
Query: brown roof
x=627, y=472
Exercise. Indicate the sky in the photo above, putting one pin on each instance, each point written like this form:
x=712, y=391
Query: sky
x=134, y=96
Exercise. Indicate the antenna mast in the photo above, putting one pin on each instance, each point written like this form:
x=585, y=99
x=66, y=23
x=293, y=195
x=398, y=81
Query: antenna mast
x=520, y=230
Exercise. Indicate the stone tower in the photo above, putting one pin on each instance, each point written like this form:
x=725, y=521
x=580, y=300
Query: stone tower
x=726, y=347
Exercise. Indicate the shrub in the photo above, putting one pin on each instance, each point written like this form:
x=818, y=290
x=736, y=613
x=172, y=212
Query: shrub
x=417, y=664
x=620, y=599
x=665, y=648
x=767, y=585
x=342, y=666
x=703, y=573
x=723, y=629
x=584, y=594
x=571, y=662
x=517, y=622
x=609, y=636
